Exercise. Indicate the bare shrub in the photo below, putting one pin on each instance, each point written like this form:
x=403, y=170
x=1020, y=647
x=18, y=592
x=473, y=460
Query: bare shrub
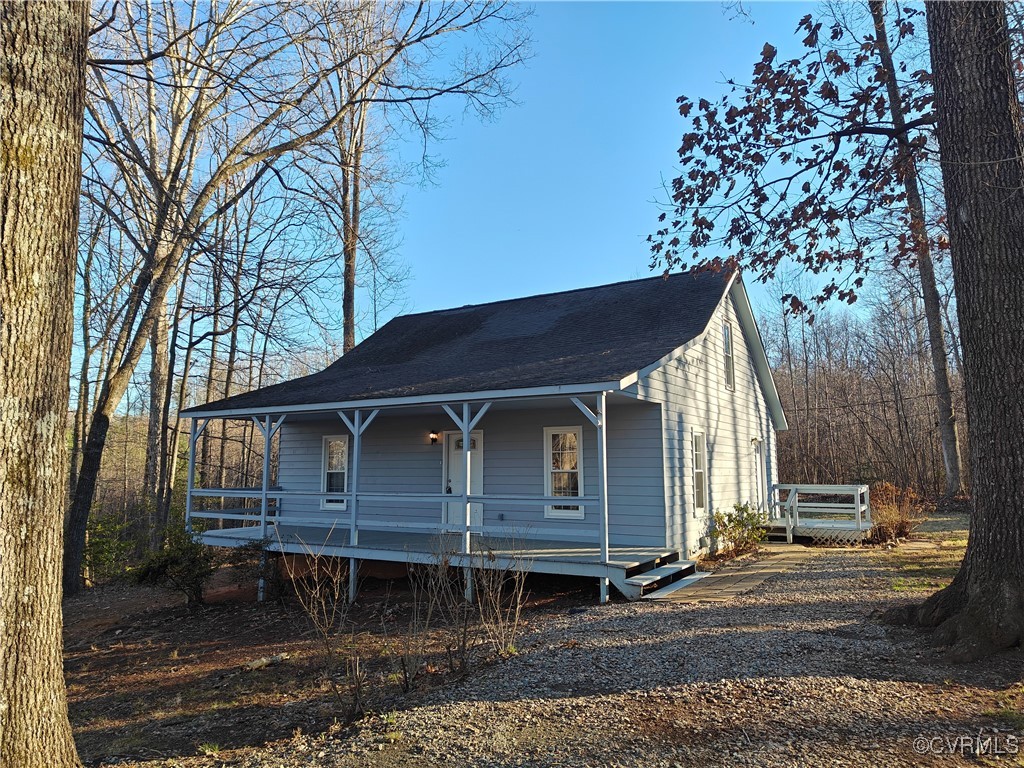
x=895, y=513
x=500, y=592
x=320, y=587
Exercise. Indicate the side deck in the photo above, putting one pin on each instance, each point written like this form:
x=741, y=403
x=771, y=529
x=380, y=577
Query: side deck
x=821, y=514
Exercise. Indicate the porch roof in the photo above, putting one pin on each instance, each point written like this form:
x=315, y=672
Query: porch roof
x=589, y=336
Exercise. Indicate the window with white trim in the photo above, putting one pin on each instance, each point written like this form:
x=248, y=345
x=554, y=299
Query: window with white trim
x=334, y=477
x=730, y=364
x=563, y=476
x=700, y=473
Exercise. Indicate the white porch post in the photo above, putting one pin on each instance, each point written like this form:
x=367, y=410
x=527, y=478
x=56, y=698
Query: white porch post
x=357, y=425
x=600, y=420
x=466, y=425
x=195, y=430
x=466, y=460
x=269, y=428
x=265, y=487
x=353, y=523
x=602, y=464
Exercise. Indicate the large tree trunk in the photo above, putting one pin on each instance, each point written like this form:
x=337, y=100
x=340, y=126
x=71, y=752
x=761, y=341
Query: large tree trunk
x=926, y=271
x=982, y=152
x=42, y=92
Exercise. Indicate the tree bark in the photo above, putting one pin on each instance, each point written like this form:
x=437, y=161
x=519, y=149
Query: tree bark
x=159, y=374
x=926, y=271
x=42, y=93
x=981, y=144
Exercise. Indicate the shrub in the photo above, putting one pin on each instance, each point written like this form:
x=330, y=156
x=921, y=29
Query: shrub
x=742, y=529
x=183, y=564
x=895, y=513
x=108, y=548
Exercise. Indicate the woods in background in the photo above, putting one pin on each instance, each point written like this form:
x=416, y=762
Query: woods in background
x=858, y=389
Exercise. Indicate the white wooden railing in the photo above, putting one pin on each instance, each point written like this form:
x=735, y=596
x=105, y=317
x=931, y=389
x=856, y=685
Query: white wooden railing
x=271, y=514
x=856, y=506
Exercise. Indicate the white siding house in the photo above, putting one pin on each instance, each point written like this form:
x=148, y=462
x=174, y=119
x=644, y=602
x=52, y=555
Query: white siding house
x=605, y=426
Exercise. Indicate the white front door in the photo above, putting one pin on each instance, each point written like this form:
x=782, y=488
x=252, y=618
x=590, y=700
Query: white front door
x=455, y=512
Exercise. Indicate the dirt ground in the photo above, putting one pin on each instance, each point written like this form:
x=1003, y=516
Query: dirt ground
x=149, y=677
x=154, y=683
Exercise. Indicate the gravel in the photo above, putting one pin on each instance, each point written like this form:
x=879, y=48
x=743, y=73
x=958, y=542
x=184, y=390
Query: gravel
x=795, y=672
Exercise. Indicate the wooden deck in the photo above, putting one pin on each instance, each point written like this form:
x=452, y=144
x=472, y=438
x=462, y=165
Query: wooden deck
x=531, y=555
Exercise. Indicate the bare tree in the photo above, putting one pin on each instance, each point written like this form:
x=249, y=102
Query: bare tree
x=42, y=77
x=165, y=79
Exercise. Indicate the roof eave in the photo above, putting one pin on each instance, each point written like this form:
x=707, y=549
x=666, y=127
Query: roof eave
x=412, y=400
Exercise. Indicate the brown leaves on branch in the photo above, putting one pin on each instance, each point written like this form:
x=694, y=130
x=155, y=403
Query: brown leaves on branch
x=803, y=165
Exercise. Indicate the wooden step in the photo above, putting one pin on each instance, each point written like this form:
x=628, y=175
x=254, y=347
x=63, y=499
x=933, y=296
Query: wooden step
x=661, y=573
x=649, y=565
x=675, y=586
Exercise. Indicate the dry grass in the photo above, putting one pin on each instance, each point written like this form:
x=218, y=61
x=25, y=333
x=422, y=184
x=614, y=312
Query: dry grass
x=922, y=566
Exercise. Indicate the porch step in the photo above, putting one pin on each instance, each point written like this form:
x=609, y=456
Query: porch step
x=662, y=576
x=665, y=592
x=650, y=565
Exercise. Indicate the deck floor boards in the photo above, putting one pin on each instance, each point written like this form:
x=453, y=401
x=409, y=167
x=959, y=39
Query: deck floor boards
x=434, y=544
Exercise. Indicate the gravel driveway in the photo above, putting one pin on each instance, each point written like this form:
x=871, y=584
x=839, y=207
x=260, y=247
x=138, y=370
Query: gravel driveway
x=796, y=672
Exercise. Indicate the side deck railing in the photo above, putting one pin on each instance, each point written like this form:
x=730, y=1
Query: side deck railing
x=819, y=504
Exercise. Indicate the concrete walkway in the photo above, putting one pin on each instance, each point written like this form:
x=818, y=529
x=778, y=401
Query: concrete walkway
x=737, y=578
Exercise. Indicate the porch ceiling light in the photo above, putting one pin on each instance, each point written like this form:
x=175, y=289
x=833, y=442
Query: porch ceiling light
x=433, y=437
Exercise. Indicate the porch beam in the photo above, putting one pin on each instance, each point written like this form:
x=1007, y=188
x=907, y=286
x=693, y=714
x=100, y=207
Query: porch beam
x=452, y=415
x=591, y=416
x=602, y=489
x=479, y=414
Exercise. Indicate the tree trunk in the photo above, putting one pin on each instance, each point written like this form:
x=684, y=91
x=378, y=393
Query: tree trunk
x=42, y=79
x=926, y=270
x=159, y=373
x=981, y=144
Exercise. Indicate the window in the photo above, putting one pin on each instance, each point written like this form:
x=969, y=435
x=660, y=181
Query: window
x=563, y=457
x=335, y=474
x=730, y=365
x=700, y=473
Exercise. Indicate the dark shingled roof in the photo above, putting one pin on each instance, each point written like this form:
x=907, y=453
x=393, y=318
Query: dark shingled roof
x=584, y=336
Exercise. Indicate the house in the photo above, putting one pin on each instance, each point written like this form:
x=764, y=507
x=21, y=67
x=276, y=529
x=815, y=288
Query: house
x=604, y=427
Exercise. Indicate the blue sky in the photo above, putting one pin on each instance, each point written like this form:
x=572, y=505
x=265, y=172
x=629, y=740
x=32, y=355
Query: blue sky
x=559, y=191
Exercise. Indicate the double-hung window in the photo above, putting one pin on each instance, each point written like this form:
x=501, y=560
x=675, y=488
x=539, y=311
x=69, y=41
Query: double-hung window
x=730, y=363
x=563, y=476
x=335, y=472
x=700, y=474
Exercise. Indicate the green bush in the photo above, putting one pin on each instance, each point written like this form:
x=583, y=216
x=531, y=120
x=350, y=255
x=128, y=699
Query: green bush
x=108, y=549
x=742, y=529
x=183, y=564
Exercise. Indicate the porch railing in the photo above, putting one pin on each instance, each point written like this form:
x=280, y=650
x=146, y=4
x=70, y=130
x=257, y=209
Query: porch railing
x=273, y=514
x=846, y=503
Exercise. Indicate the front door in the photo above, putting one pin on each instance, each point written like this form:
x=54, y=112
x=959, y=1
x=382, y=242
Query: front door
x=455, y=512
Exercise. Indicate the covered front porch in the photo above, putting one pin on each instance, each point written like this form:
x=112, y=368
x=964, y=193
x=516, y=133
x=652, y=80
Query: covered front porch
x=454, y=510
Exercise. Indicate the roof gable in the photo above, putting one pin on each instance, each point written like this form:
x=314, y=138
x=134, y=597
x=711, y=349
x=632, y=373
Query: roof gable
x=583, y=336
